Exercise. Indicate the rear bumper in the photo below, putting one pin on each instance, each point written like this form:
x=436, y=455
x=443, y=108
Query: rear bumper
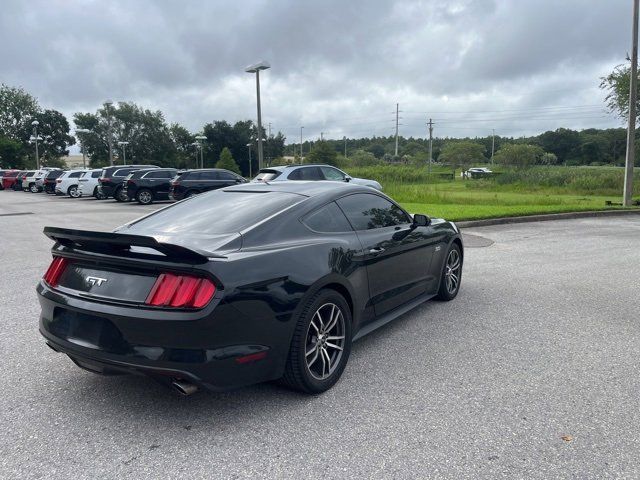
x=106, y=190
x=206, y=348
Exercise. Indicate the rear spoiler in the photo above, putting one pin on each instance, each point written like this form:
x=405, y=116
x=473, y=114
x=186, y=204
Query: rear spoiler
x=118, y=244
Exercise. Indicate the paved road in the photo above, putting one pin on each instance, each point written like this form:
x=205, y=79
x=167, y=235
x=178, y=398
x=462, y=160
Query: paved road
x=542, y=342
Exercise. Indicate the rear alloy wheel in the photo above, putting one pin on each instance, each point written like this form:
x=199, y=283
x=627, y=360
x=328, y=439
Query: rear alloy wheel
x=451, y=274
x=121, y=195
x=321, y=344
x=33, y=188
x=144, y=197
x=73, y=191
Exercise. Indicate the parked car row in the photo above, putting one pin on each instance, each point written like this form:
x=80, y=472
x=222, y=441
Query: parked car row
x=148, y=183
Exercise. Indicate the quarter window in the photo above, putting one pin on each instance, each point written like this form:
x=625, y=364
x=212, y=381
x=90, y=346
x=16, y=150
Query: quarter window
x=366, y=211
x=327, y=219
x=96, y=174
x=332, y=174
x=306, y=173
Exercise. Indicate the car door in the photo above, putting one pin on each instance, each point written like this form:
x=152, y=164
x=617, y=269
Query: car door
x=397, y=255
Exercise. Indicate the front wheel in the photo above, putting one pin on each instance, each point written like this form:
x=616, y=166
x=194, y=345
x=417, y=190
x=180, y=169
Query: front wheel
x=451, y=274
x=33, y=188
x=321, y=344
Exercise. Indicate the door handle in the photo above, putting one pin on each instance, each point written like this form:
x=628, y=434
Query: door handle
x=376, y=250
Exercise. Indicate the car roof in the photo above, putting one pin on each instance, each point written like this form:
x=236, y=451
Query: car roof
x=308, y=189
x=281, y=168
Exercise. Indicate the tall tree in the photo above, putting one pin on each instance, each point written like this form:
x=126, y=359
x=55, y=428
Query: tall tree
x=617, y=85
x=11, y=153
x=322, y=152
x=53, y=129
x=187, y=155
x=227, y=162
x=462, y=154
x=17, y=110
x=563, y=142
x=519, y=155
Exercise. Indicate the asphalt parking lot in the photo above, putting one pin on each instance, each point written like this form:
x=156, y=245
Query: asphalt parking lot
x=543, y=342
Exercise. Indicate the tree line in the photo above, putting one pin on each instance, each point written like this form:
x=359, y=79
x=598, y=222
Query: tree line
x=149, y=139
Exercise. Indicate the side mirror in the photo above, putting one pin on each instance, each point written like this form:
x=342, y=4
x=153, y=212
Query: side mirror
x=347, y=178
x=420, y=220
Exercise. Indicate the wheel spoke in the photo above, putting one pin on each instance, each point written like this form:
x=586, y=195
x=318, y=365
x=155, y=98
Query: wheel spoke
x=326, y=354
x=334, y=319
x=324, y=364
x=313, y=323
x=336, y=337
x=455, y=265
x=337, y=347
x=315, y=347
x=319, y=319
x=315, y=357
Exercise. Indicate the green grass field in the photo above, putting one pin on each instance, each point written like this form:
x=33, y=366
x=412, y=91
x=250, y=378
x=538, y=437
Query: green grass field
x=534, y=191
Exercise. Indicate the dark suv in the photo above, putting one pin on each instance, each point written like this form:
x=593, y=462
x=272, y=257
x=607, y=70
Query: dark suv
x=112, y=179
x=192, y=182
x=148, y=185
x=49, y=182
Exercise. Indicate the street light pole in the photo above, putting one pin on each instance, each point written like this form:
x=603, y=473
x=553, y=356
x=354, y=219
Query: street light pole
x=199, y=139
x=35, y=124
x=124, y=151
x=249, y=145
x=84, y=150
x=107, y=106
x=631, y=131
x=256, y=69
x=301, y=144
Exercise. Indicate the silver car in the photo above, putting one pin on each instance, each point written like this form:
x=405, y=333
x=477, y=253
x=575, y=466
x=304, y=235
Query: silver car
x=286, y=173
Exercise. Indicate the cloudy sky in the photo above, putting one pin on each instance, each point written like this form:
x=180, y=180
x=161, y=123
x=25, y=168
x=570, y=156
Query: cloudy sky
x=517, y=66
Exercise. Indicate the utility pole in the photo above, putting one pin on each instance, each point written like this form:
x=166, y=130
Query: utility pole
x=35, y=124
x=345, y=146
x=631, y=131
x=430, y=144
x=493, y=143
x=269, y=128
x=301, y=153
x=107, y=106
x=397, y=112
x=321, y=136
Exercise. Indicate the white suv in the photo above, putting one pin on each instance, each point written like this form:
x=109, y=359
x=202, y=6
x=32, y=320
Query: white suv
x=310, y=172
x=88, y=182
x=67, y=183
x=34, y=182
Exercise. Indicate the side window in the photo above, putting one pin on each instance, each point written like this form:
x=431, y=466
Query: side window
x=160, y=174
x=227, y=176
x=96, y=174
x=327, y=219
x=366, y=211
x=123, y=172
x=209, y=175
x=306, y=173
x=332, y=174
x=75, y=174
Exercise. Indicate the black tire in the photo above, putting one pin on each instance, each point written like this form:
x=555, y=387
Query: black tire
x=33, y=188
x=98, y=195
x=447, y=289
x=298, y=374
x=144, y=196
x=120, y=196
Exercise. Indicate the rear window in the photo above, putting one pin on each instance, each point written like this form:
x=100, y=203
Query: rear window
x=267, y=175
x=215, y=212
x=54, y=174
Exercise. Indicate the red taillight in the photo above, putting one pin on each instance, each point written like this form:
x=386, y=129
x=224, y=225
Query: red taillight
x=104, y=180
x=55, y=270
x=130, y=182
x=181, y=291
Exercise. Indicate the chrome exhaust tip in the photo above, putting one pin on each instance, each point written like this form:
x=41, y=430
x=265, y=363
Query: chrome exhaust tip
x=184, y=388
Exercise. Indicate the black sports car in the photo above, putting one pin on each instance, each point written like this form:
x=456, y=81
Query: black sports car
x=244, y=284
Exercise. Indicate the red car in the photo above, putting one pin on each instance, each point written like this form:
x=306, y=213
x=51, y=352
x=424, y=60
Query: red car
x=9, y=178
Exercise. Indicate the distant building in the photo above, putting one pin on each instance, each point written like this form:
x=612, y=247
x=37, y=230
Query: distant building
x=73, y=161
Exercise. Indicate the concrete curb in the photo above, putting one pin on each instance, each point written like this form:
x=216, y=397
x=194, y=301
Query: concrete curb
x=546, y=217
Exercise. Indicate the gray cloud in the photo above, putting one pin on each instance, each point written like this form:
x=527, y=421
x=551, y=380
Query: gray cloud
x=338, y=67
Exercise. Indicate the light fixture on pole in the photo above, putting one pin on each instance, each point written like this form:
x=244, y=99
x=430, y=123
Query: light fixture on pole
x=84, y=150
x=35, y=138
x=200, y=139
x=249, y=145
x=107, y=106
x=124, y=151
x=301, y=144
x=256, y=69
x=197, y=145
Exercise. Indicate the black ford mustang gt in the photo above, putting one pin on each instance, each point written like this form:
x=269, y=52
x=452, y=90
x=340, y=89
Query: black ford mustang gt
x=244, y=284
